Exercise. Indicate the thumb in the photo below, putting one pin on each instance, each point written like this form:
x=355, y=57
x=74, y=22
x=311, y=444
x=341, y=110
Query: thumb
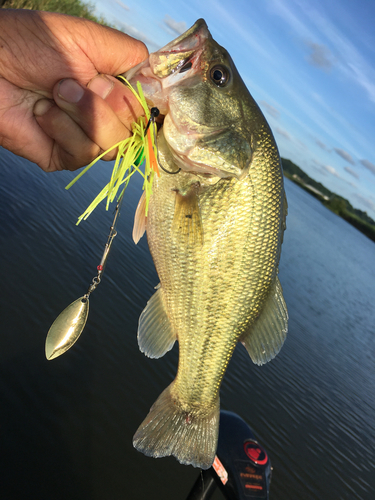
x=118, y=97
x=86, y=106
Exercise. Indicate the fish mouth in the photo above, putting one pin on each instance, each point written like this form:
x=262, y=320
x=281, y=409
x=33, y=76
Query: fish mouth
x=174, y=64
x=175, y=57
x=179, y=63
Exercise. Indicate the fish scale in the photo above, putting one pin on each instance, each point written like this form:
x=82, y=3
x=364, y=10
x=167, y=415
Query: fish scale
x=195, y=271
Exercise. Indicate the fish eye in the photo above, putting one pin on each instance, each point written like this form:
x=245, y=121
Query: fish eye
x=219, y=75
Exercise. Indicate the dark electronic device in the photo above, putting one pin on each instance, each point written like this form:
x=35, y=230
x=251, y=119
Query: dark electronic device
x=242, y=469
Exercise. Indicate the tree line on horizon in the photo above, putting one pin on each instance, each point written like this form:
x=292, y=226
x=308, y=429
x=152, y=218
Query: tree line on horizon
x=336, y=203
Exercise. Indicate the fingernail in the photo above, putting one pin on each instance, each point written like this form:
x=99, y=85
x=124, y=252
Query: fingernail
x=70, y=90
x=101, y=85
x=42, y=106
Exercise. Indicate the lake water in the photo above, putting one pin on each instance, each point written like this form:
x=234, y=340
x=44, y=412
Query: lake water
x=66, y=425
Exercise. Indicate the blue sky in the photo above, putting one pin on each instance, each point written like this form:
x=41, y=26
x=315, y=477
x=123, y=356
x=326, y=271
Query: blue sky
x=309, y=65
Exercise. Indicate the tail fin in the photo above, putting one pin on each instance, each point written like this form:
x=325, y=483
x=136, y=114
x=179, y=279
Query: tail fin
x=170, y=430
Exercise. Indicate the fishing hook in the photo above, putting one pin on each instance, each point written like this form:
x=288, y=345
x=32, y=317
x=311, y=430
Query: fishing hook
x=154, y=113
x=165, y=170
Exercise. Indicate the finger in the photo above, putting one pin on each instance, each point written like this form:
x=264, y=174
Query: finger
x=118, y=96
x=65, y=144
x=103, y=124
x=85, y=125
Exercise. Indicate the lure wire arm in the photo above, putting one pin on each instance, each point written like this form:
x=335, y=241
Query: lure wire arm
x=112, y=233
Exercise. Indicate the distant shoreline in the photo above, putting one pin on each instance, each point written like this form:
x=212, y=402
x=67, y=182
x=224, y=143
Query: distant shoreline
x=337, y=204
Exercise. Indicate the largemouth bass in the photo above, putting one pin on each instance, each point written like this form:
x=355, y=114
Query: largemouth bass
x=214, y=227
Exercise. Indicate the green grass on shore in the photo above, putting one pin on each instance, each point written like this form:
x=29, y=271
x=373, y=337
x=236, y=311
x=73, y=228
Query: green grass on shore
x=75, y=8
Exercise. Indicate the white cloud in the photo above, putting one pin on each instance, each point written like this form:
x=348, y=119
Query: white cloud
x=345, y=155
x=331, y=170
x=367, y=164
x=130, y=30
x=351, y=172
x=250, y=35
x=322, y=145
x=367, y=202
x=121, y=4
x=320, y=56
x=268, y=108
x=178, y=27
x=285, y=11
x=283, y=132
x=319, y=28
x=328, y=115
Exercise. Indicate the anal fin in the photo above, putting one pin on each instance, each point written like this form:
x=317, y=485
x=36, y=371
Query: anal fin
x=266, y=336
x=155, y=333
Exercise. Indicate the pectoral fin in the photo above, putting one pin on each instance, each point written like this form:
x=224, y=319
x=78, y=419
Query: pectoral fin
x=140, y=219
x=187, y=222
x=155, y=333
x=266, y=336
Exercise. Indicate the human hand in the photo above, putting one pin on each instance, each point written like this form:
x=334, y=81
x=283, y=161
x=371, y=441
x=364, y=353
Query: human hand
x=47, y=113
